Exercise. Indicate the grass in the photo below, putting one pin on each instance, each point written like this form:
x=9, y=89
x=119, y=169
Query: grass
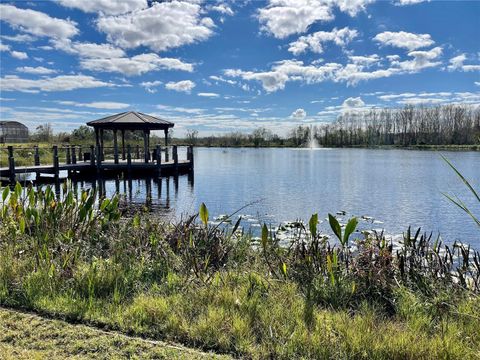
x=24, y=152
x=28, y=336
x=207, y=287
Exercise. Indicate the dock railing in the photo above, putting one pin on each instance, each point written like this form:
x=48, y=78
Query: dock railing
x=36, y=159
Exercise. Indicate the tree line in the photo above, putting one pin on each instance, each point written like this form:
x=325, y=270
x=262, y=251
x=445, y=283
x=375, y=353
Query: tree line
x=411, y=125
x=407, y=126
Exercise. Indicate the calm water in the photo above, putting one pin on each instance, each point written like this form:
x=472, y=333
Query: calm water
x=397, y=188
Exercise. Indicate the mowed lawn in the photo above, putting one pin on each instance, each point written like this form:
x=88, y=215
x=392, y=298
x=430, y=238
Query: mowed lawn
x=29, y=336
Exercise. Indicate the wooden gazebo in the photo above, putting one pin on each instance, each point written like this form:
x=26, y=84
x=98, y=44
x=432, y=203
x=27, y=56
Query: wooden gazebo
x=129, y=121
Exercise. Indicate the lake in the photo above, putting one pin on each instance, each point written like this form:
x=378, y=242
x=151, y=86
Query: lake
x=395, y=188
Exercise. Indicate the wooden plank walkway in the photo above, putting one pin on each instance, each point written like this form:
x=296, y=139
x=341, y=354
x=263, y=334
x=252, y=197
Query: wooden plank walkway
x=93, y=166
x=82, y=166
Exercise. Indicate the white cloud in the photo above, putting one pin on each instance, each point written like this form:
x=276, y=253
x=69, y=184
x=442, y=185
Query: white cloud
x=283, y=18
x=109, y=105
x=418, y=101
x=180, y=109
x=353, y=102
x=58, y=83
x=421, y=60
x=222, y=8
x=287, y=70
x=19, y=55
x=88, y=50
x=366, y=60
x=404, y=40
x=221, y=79
x=395, y=96
x=208, y=94
x=431, y=98
x=40, y=70
x=352, y=7
x=23, y=38
x=409, y=2
x=457, y=63
x=162, y=26
x=108, y=7
x=37, y=23
x=477, y=83
x=16, y=54
x=108, y=58
x=471, y=68
x=180, y=86
x=135, y=65
x=352, y=74
x=393, y=57
x=151, y=85
x=313, y=42
x=299, y=114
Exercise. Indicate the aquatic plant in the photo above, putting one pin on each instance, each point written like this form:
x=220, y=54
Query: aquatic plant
x=206, y=284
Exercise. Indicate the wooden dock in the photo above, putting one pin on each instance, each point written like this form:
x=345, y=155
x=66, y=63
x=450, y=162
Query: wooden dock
x=97, y=161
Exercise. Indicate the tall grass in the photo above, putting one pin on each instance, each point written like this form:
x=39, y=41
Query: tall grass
x=207, y=286
x=456, y=200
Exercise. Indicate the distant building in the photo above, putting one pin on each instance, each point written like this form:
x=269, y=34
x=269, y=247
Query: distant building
x=13, y=132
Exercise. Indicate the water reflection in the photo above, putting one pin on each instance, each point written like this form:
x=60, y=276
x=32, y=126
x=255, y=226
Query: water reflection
x=146, y=193
x=397, y=188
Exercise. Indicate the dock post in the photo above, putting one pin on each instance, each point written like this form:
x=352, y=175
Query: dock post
x=175, y=157
x=190, y=148
x=92, y=155
x=36, y=156
x=11, y=165
x=129, y=159
x=166, y=154
x=159, y=160
x=69, y=158
x=74, y=155
x=99, y=157
x=55, y=162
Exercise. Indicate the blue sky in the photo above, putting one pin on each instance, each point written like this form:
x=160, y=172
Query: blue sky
x=222, y=66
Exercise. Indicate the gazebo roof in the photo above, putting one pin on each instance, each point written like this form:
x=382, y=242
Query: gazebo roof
x=131, y=120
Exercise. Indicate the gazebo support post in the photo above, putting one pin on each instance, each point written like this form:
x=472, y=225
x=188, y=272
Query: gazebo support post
x=97, y=138
x=145, y=145
x=115, y=146
x=166, y=136
x=123, y=144
x=148, y=146
x=98, y=153
x=101, y=145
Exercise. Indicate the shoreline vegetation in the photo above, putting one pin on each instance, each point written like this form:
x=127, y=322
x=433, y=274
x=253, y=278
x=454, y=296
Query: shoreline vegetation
x=214, y=288
x=445, y=127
